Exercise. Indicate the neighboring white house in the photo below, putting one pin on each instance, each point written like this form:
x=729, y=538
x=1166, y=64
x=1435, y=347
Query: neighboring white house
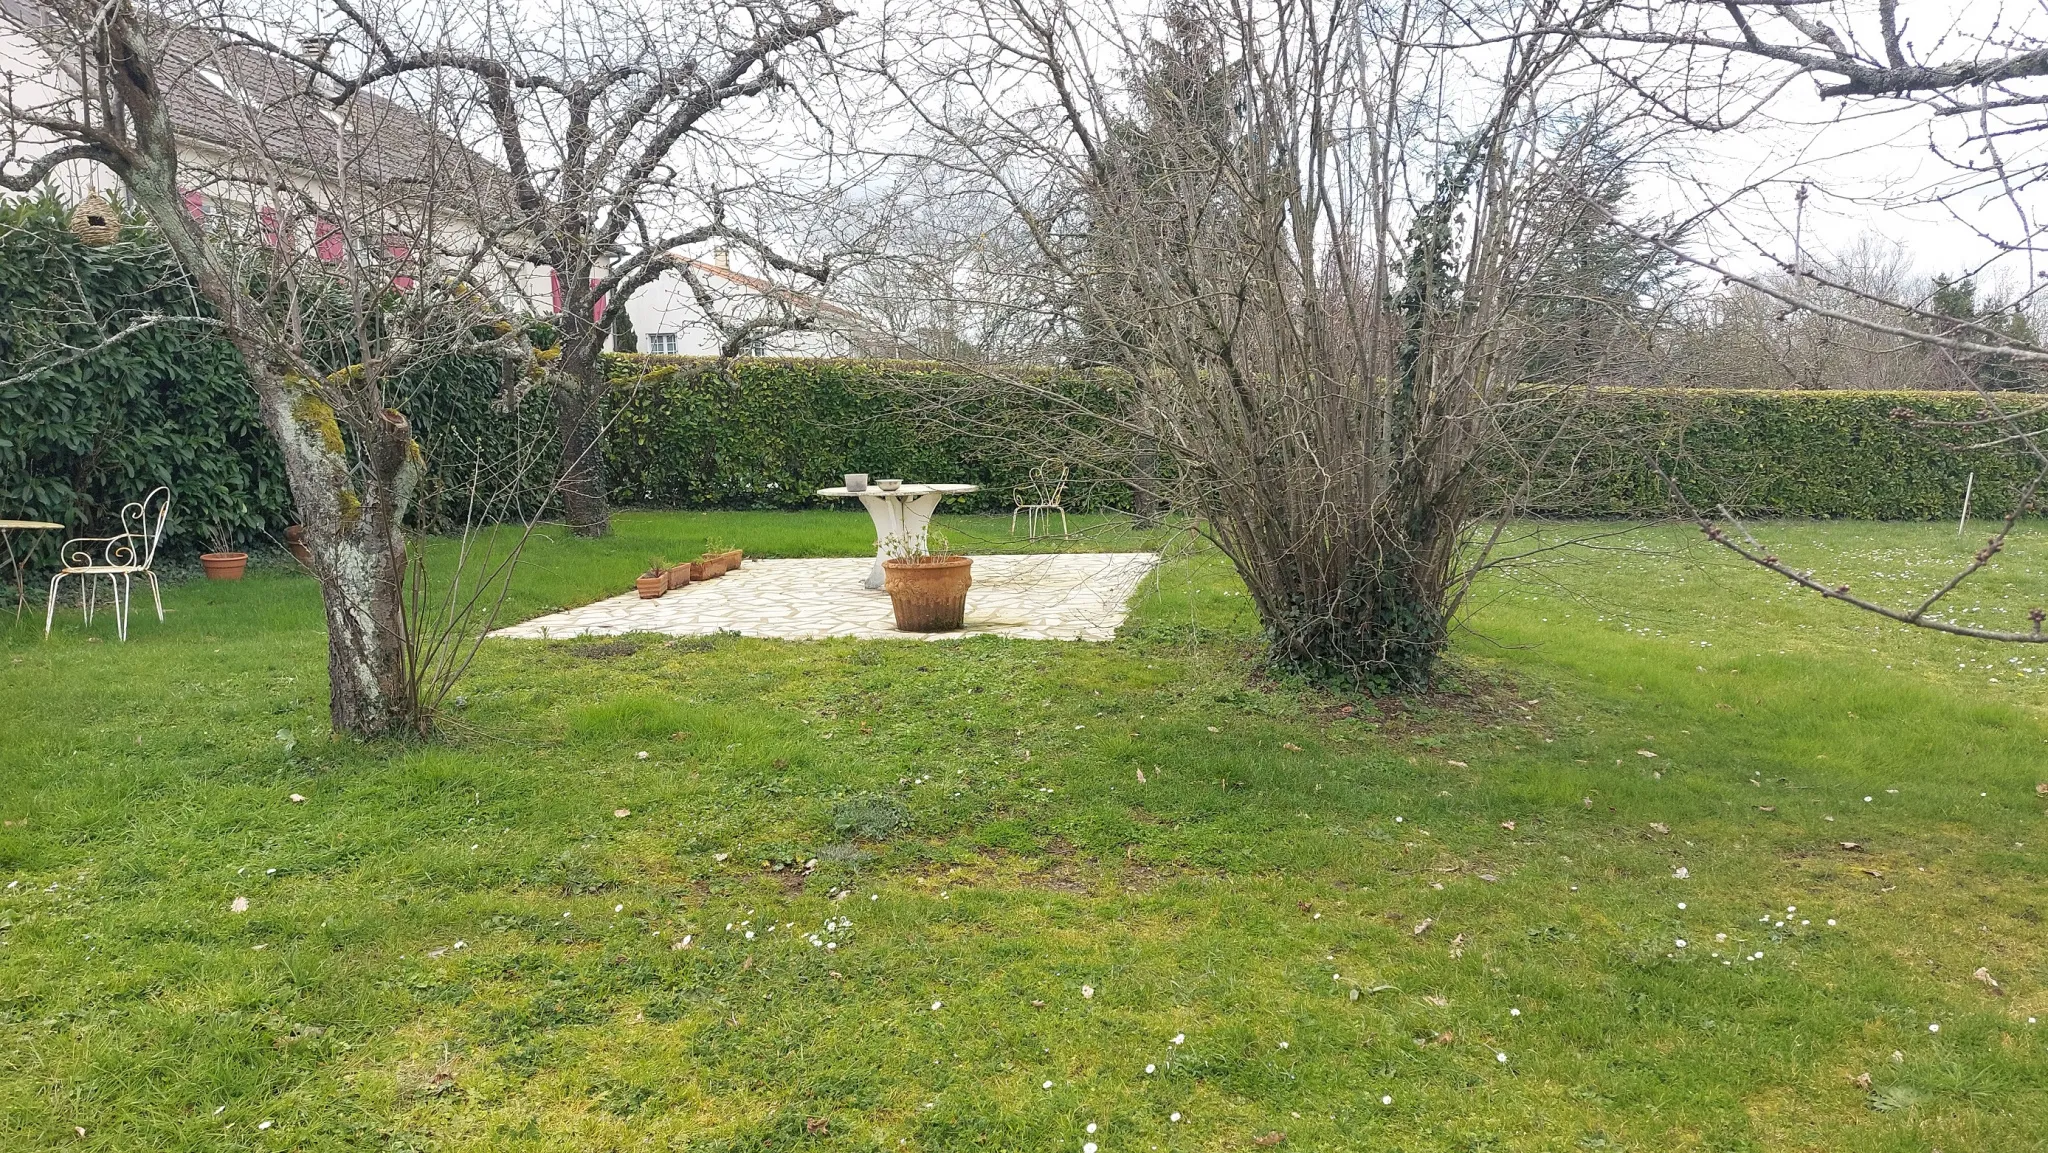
x=674, y=315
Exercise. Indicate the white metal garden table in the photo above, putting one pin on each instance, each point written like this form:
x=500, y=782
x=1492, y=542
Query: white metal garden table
x=19, y=564
x=901, y=517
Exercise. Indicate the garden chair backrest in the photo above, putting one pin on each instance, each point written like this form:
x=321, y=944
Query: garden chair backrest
x=141, y=527
x=1048, y=481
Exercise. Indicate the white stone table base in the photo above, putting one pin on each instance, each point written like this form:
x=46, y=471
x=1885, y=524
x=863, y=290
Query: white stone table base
x=1043, y=596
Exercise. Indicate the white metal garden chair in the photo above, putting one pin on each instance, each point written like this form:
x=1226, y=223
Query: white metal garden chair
x=119, y=558
x=1041, y=498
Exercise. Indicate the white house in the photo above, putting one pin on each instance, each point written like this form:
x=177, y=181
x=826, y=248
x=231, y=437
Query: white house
x=698, y=307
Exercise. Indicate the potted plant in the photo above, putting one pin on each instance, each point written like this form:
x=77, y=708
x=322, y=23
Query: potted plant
x=678, y=576
x=728, y=558
x=654, y=582
x=928, y=589
x=223, y=563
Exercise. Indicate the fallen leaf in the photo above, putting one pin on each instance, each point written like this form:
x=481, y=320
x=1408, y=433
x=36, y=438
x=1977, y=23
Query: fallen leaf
x=1660, y=827
x=1852, y=846
x=1984, y=975
x=622, y=812
x=1645, y=753
x=1437, y=999
x=1424, y=926
x=720, y=856
x=1460, y=764
x=78, y=1129
x=1861, y=1080
x=1508, y=825
x=2041, y=790
x=1270, y=1139
x=241, y=905
x=1457, y=946
x=747, y=964
x=1767, y=808
x=1290, y=746
x=815, y=1126
x=1875, y=873
x=297, y=799
x=1141, y=776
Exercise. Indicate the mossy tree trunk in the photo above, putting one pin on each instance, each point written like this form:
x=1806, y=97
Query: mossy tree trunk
x=352, y=463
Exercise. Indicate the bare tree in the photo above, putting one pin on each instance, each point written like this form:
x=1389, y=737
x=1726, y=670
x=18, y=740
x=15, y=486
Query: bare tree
x=1305, y=235
x=624, y=128
x=1974, y=75
x=313, y=224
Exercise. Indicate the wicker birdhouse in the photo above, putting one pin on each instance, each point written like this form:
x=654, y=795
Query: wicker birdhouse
x=95, y=222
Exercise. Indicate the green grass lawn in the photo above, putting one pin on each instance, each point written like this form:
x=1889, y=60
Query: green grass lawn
x=743, y=895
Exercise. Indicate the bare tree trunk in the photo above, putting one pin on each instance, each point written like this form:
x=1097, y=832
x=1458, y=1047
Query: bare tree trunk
x=580, y=384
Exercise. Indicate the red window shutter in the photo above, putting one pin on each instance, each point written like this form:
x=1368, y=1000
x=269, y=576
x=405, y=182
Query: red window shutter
x=327, y=242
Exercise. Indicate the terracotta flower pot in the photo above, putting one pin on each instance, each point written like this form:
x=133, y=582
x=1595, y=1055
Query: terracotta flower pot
x=678, y=577
x=733, y=557
x=714, y=565
x=224, y=566
x=650, y=587
x=929, y=592
x=295, y=541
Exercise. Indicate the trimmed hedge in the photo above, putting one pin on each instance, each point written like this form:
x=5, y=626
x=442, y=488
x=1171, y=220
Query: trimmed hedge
x=768, y=433
x=1835, y=454
x=170, y=406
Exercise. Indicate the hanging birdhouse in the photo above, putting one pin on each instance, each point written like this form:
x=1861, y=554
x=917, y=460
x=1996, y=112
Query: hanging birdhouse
x=95, y=222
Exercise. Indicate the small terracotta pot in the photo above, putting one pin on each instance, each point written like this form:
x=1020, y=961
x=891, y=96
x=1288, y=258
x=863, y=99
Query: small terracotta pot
x=714, y=565
x=733, y=557
x=678, y=577
x=929, y=593
x=224, y=566
x=295, y=541
x=651, y=587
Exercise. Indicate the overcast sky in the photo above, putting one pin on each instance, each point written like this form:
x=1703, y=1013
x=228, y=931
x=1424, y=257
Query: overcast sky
x=1872, y=170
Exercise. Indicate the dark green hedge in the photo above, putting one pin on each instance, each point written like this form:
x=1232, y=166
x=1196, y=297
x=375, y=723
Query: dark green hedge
x=165, y=406
x=769, y=433
x=1839, y=454
x=169, y=406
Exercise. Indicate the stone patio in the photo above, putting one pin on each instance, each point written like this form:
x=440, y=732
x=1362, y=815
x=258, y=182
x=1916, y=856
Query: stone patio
x=1053, y=596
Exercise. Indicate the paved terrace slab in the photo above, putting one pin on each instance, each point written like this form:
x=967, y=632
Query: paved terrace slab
x=1046, y=596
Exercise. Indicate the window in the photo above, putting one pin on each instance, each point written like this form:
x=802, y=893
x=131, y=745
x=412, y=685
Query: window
x=661, y=343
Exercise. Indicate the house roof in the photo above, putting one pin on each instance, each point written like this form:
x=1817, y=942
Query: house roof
x=245, y=101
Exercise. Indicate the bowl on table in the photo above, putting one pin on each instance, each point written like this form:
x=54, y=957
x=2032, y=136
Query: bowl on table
x=888, y=485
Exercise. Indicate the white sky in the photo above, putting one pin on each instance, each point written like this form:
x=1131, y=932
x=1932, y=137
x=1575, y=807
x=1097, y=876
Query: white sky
x=1871, y=171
